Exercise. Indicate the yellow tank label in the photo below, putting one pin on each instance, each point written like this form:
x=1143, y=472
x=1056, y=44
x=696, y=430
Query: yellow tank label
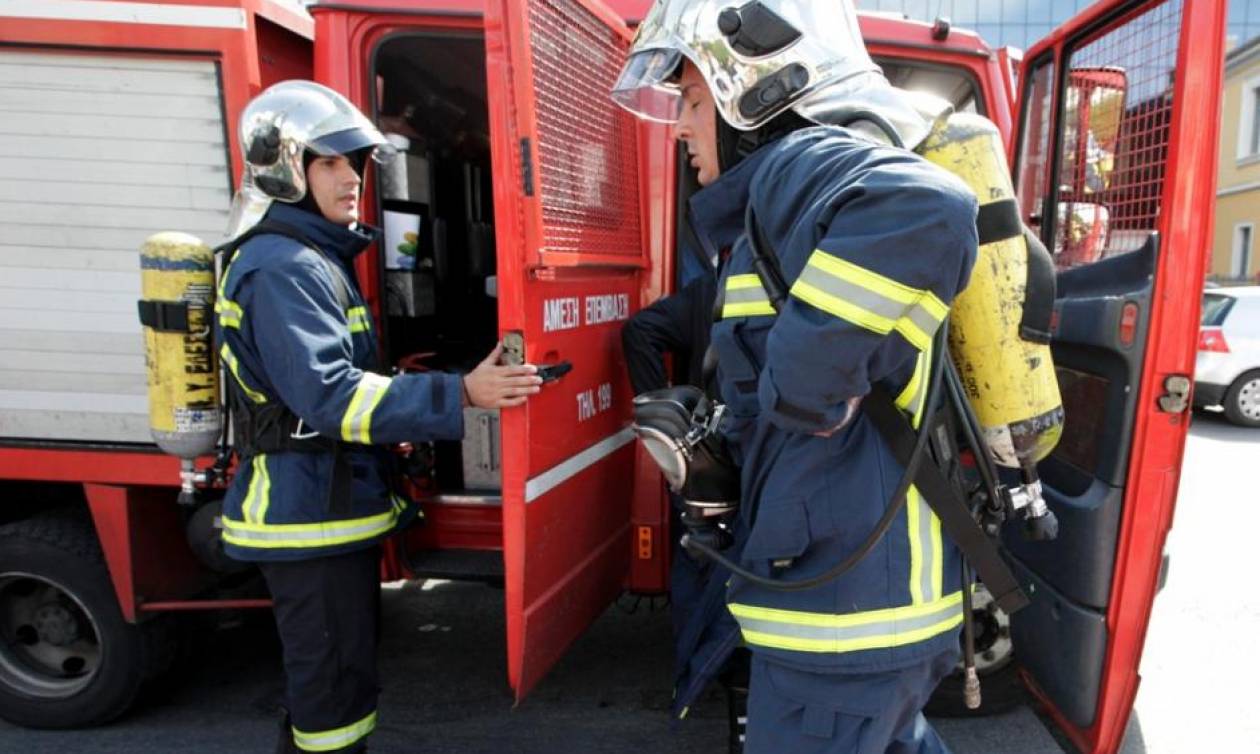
x=181, y=366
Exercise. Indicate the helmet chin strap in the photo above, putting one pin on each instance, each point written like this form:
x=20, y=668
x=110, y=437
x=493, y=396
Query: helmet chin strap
x=734, y=145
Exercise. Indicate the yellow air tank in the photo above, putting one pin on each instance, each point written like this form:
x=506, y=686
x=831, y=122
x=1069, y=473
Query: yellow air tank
x=177, y=311
x=1006, y=371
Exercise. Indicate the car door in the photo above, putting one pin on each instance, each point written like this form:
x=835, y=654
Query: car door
x=1115, y=165
x=571, y=260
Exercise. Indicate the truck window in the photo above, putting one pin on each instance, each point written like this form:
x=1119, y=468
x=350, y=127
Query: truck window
x=1112, y=147
x=1034, y=152
x=954, y=85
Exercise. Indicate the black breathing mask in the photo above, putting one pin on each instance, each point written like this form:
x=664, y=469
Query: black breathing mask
x=679, y=428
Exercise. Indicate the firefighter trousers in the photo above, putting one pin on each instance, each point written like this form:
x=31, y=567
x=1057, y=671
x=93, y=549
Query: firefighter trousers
x=328, y=612
x=804, y=712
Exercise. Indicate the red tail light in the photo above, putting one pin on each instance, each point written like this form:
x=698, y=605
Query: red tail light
x=1212, y=339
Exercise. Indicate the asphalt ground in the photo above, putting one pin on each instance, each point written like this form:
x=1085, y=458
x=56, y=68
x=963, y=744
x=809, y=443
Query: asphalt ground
x=445, y=689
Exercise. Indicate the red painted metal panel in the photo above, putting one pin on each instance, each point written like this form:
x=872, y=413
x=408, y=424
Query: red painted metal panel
x=100, y=466
x=142, y=535
x=567, y=458
x=1168, y=185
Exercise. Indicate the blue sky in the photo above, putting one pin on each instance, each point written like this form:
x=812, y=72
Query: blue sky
x=1020, y=22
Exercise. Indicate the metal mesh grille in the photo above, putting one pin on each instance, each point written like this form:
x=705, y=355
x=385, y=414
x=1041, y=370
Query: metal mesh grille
x=1114, y=144
x=588, y=166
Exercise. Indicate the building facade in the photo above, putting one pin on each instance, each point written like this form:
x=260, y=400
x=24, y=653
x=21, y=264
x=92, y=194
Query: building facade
x=1020, y=23
x=1235, y=250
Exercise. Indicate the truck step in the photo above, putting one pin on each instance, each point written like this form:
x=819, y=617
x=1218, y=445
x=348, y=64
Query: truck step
x=458, y=565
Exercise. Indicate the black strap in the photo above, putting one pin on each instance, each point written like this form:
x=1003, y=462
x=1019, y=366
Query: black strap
x=765, y=261
x=164, y=316
x=998, y=221
x=946, y=503
x=1039, y=292
x=273, y=427
x=268, y=226
x=949, y=507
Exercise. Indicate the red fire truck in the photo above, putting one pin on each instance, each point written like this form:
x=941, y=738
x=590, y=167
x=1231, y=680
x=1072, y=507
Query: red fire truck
x=524, y=206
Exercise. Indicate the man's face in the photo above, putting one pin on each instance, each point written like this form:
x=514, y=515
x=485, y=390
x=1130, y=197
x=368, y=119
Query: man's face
x=697, y=126
x=334, y=186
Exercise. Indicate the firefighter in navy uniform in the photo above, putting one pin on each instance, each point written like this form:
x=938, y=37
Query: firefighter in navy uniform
x=313, y=499
x=873, y=243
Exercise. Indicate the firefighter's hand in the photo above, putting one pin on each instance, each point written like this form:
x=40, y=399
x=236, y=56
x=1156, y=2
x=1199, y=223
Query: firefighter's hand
x=493, y=385
x=849, y=409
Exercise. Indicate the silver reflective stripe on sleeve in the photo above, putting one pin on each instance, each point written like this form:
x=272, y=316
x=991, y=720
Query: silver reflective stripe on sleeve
x=356, y=423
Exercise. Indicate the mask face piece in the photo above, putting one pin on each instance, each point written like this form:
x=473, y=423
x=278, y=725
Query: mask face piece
x=679, y=428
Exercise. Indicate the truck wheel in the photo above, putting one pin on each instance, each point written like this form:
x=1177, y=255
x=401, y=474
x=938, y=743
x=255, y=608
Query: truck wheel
x=67, y=656
x=1000, y=687
x=1242, y=400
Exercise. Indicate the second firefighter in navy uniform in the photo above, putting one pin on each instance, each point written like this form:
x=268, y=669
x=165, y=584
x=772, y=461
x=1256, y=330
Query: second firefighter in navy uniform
x=311, y=410
x=873, y=243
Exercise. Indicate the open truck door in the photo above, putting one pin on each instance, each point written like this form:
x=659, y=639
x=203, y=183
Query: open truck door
x=1115, y=165
x=571, y=253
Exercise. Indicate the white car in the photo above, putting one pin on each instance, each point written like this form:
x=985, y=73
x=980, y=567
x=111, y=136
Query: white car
x=1227, y=372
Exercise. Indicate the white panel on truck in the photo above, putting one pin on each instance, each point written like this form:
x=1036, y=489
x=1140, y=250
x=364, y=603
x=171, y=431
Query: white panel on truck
x=97, y=152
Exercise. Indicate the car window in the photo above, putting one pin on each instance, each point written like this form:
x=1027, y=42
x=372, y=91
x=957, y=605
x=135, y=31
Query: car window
x=1215, y=307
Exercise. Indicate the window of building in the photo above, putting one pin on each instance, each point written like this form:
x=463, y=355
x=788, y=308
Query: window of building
x=1249, y=121
x=1255, y=121
x=1240, y=262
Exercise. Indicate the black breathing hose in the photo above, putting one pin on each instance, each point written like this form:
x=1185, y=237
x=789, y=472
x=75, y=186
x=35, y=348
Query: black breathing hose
x=972, y=435
x=895, y=504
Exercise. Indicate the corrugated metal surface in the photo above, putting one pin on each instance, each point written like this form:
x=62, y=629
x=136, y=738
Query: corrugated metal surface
x=96, y=153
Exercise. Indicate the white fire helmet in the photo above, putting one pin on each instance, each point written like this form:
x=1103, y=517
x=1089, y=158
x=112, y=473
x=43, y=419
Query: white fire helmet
x=762, y=57
x=277, y=127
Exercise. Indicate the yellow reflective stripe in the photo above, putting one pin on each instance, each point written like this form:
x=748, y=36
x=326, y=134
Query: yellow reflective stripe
x=757, y=309
x=229, y=311
x=923, y=528
x=869, y=300
x=936, y=567
x=324, y=534
x=358, y=319
x=264, y=498
x=356, y=423
x=823, y=632
x=259, y=488
x=911, y=397
x=744, y=297
x=924, y=531
x=229, y=358
x=742, y=282
x=338, y=738
x=913, y=514
x=876, y=283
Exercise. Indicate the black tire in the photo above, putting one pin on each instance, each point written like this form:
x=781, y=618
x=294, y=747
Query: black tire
x=1000, y=687
x=68, y=659
x=1242, y=400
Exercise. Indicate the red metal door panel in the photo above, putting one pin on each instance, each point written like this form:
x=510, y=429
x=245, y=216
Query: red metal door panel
x=571, y=253
x=1116, y=168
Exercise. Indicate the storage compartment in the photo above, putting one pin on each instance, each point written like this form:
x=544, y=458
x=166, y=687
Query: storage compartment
x=437, y=266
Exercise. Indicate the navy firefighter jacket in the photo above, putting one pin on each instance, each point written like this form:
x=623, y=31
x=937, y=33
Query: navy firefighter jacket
x=287, y=337
x=874, y=243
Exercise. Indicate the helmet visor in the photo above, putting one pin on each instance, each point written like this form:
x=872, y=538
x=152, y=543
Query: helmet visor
x=645, y=87
x=352, y=140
